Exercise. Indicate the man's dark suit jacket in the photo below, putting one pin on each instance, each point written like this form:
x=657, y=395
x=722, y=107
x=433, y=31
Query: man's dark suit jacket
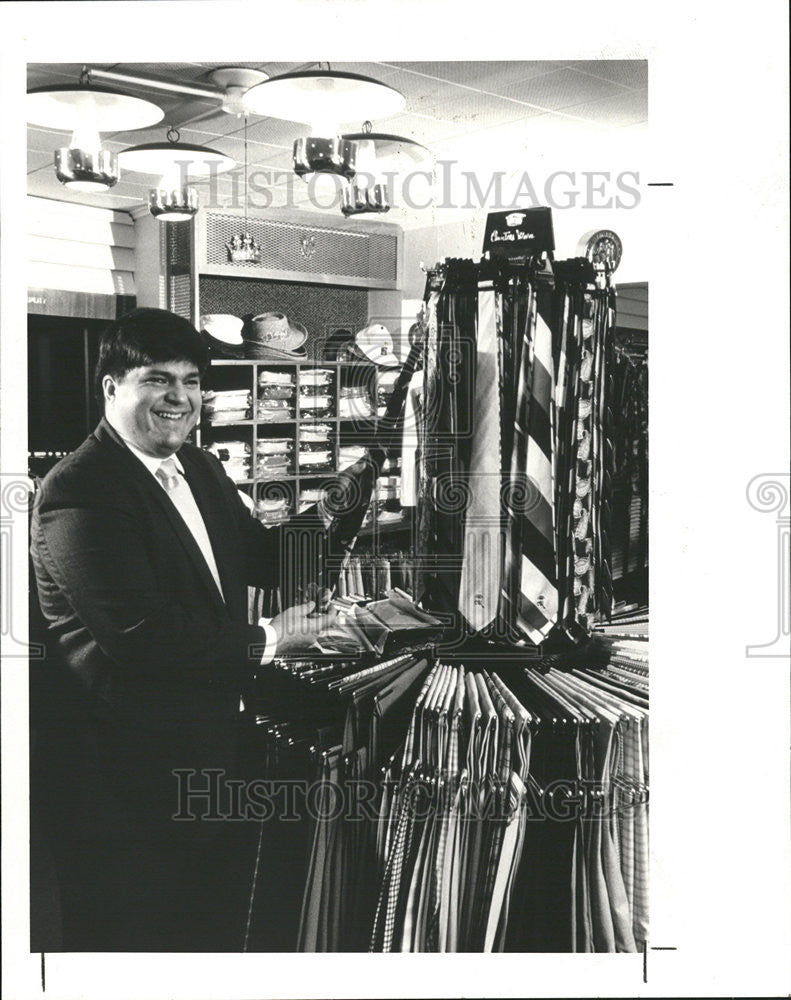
x=133, y=609
x=155, y=659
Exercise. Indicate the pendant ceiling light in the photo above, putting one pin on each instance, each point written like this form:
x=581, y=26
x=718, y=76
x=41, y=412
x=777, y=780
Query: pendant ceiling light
x=380, y=157
x=86, y=110
x=324, y=99
x=172, y=200
x=182, y=157
x=63, y=107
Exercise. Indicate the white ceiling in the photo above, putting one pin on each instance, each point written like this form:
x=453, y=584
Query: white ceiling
x=480, y=114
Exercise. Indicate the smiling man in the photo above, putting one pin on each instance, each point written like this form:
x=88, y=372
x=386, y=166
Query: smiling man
x=143, y=552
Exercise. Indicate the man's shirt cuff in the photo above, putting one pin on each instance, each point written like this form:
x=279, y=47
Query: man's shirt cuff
x=271, y=640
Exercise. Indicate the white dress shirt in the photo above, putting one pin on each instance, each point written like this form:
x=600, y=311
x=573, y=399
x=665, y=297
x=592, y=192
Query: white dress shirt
x=153, y=464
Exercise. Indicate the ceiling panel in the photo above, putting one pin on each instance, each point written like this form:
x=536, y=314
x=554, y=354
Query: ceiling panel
x=485, y=75
x=423, y=129
x=275, y=132
x=39, y=160
x=564, y=88
x=632, y=73
x=627, y=108
x=479, y=111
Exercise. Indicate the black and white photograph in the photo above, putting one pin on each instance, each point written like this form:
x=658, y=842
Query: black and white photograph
x=328, y=505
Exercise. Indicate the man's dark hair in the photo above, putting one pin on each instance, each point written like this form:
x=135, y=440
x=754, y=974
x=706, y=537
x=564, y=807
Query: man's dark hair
x=146, y=337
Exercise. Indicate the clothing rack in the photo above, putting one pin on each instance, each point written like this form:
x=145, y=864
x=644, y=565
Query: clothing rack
x=453, y=834
x=581, y=544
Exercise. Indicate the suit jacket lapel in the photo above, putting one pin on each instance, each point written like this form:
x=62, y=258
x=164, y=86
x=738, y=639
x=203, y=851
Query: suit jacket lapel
x=132, y=466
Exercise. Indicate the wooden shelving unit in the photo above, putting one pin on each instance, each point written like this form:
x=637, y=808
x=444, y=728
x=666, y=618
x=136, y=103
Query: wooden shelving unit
x=244, y=374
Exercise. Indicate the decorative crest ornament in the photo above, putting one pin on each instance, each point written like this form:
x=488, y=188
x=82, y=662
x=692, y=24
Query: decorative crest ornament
x=243, y=249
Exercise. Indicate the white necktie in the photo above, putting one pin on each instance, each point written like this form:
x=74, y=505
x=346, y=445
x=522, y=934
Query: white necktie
x=179, y=492
x=482, y=566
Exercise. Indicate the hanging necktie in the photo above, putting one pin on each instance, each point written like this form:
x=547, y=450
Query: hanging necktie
x=603, y=454
x=537, y=606
x=179, y=492
x=583, y=533
x=522, y=320
x=482, y=562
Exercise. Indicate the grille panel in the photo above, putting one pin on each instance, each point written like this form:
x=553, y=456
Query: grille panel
x=311, y=250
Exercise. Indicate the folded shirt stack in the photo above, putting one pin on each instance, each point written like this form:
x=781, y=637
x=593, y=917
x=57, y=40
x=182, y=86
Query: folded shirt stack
x=274, y=446
x=276, y=391
x=309, y=497
x=272, y=511
x=348, y=455
x=314, y=434
x=267, y=377
x=384, y=389
x=273, y=457
x=313, y=379
x=273, y=411
x=355, y=403
x=227, y=406
x=235, y=457
x=388, y=488
x=315, y=459
x=315, y=405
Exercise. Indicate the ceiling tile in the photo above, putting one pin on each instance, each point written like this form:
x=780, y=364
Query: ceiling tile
x=626, y=108
x=632, y=73
x=426, y=130
x=485, y=75
x=275, y=132
x=564, y=88
x=479, y=111
x=37, y=160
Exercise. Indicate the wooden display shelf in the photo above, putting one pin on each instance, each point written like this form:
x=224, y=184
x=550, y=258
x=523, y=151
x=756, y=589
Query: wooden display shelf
x=344, y=430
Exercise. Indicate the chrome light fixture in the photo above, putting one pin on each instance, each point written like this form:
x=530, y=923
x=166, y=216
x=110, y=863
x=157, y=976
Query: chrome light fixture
x=178, y=204
x=315, y=154
x=323, y=99
x=86, y=170
x=380, y=157
x=173, y=200
x=86, y=110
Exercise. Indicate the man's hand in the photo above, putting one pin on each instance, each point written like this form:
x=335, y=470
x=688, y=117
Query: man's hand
x=297, y=628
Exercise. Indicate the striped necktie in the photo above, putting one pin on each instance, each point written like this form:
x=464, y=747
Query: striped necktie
x=178, y=490
x=537, y=606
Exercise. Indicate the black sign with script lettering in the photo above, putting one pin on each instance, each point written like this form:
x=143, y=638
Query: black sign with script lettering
x=522, y=232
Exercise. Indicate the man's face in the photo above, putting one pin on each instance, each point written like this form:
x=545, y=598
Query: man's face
x=155, y=407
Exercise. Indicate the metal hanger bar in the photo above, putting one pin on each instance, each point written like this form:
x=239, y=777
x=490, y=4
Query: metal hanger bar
x=155, y=84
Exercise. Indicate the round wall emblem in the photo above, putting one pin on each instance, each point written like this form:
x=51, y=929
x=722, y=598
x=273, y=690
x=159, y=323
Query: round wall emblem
x=602, y=246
